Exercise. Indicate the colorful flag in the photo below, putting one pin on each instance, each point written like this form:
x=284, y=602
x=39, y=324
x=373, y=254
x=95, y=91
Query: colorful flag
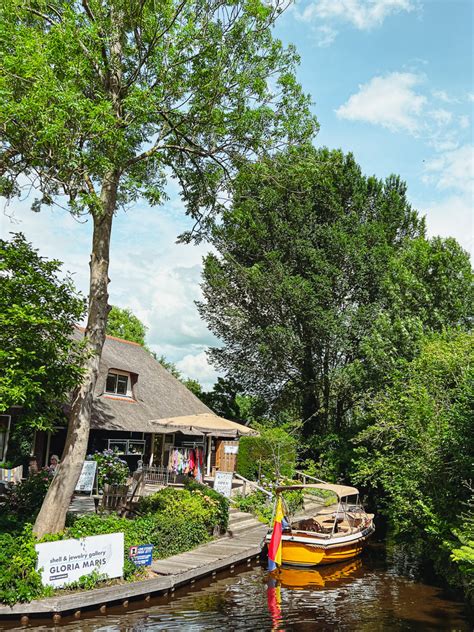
x=274, y=548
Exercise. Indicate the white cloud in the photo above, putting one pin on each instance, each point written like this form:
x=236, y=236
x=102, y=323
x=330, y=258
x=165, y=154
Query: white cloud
x=442, y=95
x=389, y=101
x=451, y=217
x=453, y=170
x=470, y=97
x=325, y=35
x=150, y=273
x=198, y=368
x=464, y=121
x=441, y=116
x=362, y=14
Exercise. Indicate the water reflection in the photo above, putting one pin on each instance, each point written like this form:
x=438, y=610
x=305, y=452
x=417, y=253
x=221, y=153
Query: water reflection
x=364, y=595
x=300, y=579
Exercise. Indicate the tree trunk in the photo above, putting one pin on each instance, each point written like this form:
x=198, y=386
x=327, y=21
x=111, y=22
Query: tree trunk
x=310, y=396
x=52, y=515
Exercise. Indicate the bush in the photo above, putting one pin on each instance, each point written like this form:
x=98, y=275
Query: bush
x=270, y=455
x=111, y=468
x=261, y=505
x=25, y=498
x=223, y=502
x=19, y=580
x=173, y=520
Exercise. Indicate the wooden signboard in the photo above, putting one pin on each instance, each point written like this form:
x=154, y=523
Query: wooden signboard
x=223, y=483
x=87, y=477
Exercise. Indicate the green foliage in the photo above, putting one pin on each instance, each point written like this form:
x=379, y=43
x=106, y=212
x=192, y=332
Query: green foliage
x=417, y=448
x=222, y=506
x=262, y=506
x=40, y=363
x=111, y=468
x=271, y=455
x=86, y=86
x=323, y=279
x=173, y=520
x=19, y=580
x=122, y=323
x=24, y=499
x=170, y=366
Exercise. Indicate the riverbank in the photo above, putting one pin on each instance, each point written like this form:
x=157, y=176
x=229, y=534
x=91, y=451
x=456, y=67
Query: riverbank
x=241, y=543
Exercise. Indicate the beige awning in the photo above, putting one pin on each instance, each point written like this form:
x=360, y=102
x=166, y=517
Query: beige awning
x=341, y=491
x=205, y=423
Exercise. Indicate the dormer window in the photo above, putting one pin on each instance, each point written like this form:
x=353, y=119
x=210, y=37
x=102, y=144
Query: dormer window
x=118, y=383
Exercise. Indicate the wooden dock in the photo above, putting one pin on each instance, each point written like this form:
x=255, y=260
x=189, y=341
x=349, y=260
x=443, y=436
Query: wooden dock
x=242, y=542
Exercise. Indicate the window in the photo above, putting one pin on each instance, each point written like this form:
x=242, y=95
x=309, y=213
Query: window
x=127, y=446
x=117, y=383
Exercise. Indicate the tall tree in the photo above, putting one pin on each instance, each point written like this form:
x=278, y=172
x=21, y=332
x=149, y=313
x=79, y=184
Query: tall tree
x=123, y=323
x=40, y=362
x=103, y=100
x=305, y=268
x=417, y=449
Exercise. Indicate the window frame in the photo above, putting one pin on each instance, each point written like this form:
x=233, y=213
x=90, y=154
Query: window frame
x=116, y=373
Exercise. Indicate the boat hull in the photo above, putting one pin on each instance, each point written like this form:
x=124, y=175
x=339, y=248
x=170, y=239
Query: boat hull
x=305, y=549
x=307, y=555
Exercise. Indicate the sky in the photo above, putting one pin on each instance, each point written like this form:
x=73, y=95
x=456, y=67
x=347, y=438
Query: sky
x=391, y=81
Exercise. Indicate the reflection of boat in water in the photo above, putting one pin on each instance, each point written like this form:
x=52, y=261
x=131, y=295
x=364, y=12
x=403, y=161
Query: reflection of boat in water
x=332, y=535
x=299, y=579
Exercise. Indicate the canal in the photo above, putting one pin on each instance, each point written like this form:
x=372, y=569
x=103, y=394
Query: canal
x=378, y=592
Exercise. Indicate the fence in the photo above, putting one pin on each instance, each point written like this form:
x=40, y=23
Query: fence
x=156, y=475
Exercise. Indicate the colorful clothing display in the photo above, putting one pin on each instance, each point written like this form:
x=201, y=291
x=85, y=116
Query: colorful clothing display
x=187, y=461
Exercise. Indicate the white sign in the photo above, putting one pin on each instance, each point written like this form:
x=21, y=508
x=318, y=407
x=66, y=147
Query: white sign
x=231, y=449
x=87, y=477
x=223, y=483
x=65, y=561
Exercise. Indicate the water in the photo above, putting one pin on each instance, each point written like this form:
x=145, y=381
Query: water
x=368, y=594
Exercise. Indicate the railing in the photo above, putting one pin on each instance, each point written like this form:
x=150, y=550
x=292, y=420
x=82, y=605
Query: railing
x=304, y=477
x=252, y=485
x=156, y=475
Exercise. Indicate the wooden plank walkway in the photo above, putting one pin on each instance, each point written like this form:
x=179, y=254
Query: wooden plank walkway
x=242, y=543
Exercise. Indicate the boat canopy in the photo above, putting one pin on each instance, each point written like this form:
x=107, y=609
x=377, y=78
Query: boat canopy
x=341, y=491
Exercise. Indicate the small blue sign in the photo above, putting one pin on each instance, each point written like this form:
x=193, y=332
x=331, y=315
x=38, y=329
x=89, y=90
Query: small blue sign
x=142, y=554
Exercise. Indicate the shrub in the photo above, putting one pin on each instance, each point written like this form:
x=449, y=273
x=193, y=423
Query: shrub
x=111, y=468
x=19, y=580
x=271, y=455
x=223, y=502
x=173, y=520
x=25, y=498
x=261, y=505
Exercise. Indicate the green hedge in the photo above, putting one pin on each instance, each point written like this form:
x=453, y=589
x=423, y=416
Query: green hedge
x=173, y=520
x=274, y=449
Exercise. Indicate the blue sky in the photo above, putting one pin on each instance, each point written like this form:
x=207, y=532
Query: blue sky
x=392, y=81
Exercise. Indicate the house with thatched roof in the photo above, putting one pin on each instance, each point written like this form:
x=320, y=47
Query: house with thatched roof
x=143, y=412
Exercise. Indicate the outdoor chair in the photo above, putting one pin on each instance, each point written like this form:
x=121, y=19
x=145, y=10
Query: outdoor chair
x=113, y=498
x=138, y=486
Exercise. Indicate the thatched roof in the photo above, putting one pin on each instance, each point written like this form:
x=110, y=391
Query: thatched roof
x=157, y=395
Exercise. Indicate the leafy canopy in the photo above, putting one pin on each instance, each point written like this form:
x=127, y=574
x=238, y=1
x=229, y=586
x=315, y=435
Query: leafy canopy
x=302, y=254
x=122, y=323
x=139, y=90
x=323, y=278
x=39, y=360
x=417, y=448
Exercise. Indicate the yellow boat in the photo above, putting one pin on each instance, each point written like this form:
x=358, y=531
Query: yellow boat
x=334, y=534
